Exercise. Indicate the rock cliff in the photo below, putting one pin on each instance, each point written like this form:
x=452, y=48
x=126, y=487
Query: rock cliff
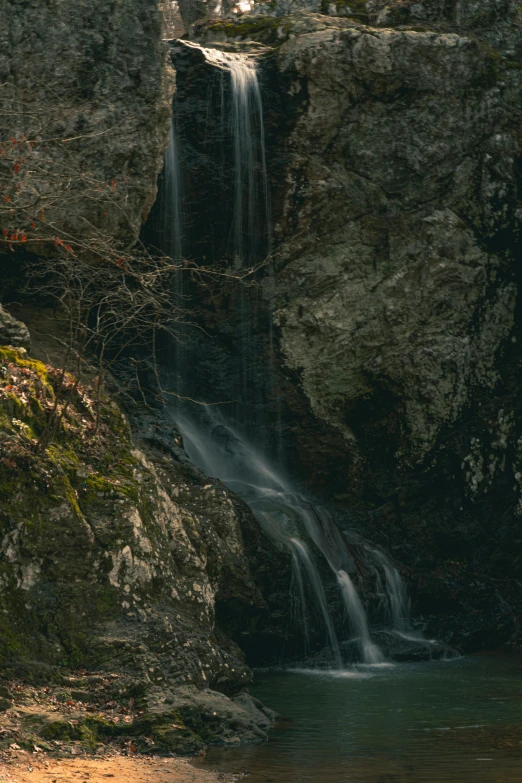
x=85, y=93
x=394, y=159
x=393, y=148
x=114, y=559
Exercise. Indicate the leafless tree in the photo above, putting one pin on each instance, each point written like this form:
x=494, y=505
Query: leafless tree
x=111, y=295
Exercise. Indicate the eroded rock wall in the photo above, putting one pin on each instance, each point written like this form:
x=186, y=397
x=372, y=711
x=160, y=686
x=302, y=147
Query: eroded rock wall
x=394, y=156
x=393, y=182
x=89, y=85
x=114, y=558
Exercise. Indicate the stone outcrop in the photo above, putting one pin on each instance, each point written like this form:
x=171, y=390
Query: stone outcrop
x=87, y=85
x=394, y=159
x=114, y=559
x=401, y=300
x=12, y=331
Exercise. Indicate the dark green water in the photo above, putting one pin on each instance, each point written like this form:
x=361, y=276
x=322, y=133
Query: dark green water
x=458, y=721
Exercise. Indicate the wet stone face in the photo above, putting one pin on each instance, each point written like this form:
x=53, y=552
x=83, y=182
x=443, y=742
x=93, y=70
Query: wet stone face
x=393, y=182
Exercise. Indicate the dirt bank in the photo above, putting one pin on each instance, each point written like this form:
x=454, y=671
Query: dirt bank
x=25, y=768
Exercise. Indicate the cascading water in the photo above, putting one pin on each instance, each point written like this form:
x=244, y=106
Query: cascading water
x=285, y=515
x=213, y=444
x=397, y=601
x=172, y=217
x=303, y=560
x=242, y=127
x=251, y=217
x=238, y=233
x=370, y=652
x=396, y=592
x=172, y=246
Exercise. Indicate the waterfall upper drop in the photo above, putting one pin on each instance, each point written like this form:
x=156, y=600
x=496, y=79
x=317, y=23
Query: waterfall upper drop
x=242, y=130
x=172, y=217
x=251, y=187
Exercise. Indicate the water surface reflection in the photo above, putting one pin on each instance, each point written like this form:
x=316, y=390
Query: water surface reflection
x=454, y=721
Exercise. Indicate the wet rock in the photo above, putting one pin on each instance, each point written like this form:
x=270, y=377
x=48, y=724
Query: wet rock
x=387, y=272
x=413, y=646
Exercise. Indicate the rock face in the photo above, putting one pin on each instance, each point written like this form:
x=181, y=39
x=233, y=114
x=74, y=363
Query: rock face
x=390, y=293
x=95, y=76
x=394, y=160
x=12, y=331
x=114, y=560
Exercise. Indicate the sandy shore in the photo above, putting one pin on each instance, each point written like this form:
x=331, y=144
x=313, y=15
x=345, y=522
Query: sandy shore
x=28, y=769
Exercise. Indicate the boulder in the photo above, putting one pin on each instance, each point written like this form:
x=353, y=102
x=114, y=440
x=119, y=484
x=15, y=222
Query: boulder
x=12, y=331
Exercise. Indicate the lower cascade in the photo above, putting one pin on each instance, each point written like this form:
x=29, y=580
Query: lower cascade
x=307, y=531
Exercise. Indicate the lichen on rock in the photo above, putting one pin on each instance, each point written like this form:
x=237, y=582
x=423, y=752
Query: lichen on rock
x=97, y=81
x=105, y=565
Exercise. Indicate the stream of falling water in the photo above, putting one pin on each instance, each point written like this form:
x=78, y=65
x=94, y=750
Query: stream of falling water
x=172, y=246
x=172, y=216
x=218, y=447
x=251, y=230
x=302, y=562
x=287, y=517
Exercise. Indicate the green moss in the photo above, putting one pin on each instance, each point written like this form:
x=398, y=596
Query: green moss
x=46, y=502
x=491, y=73
x=10, y=355
x=169, y=732
x=90, y=730
x=95, y=485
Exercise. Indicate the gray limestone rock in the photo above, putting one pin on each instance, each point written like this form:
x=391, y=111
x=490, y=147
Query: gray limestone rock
x=393, y=292
x=95, y=77
x=12, y=331
x=117, y=558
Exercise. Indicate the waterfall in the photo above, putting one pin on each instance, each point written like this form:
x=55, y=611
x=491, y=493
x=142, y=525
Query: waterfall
x=172, y=246
x=302, y=558
x=172, y=217
x=370, y=652
x=234, y=130
x=398, y=603
x=250, y=230
x=286, y=516
x=290, y=519
x=399, y=609
x=328, y=539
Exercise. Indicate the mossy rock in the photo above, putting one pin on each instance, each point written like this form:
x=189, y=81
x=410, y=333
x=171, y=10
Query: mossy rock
x=91, y=730
x=47, y=499
x=263, y=29
x=168, y=732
